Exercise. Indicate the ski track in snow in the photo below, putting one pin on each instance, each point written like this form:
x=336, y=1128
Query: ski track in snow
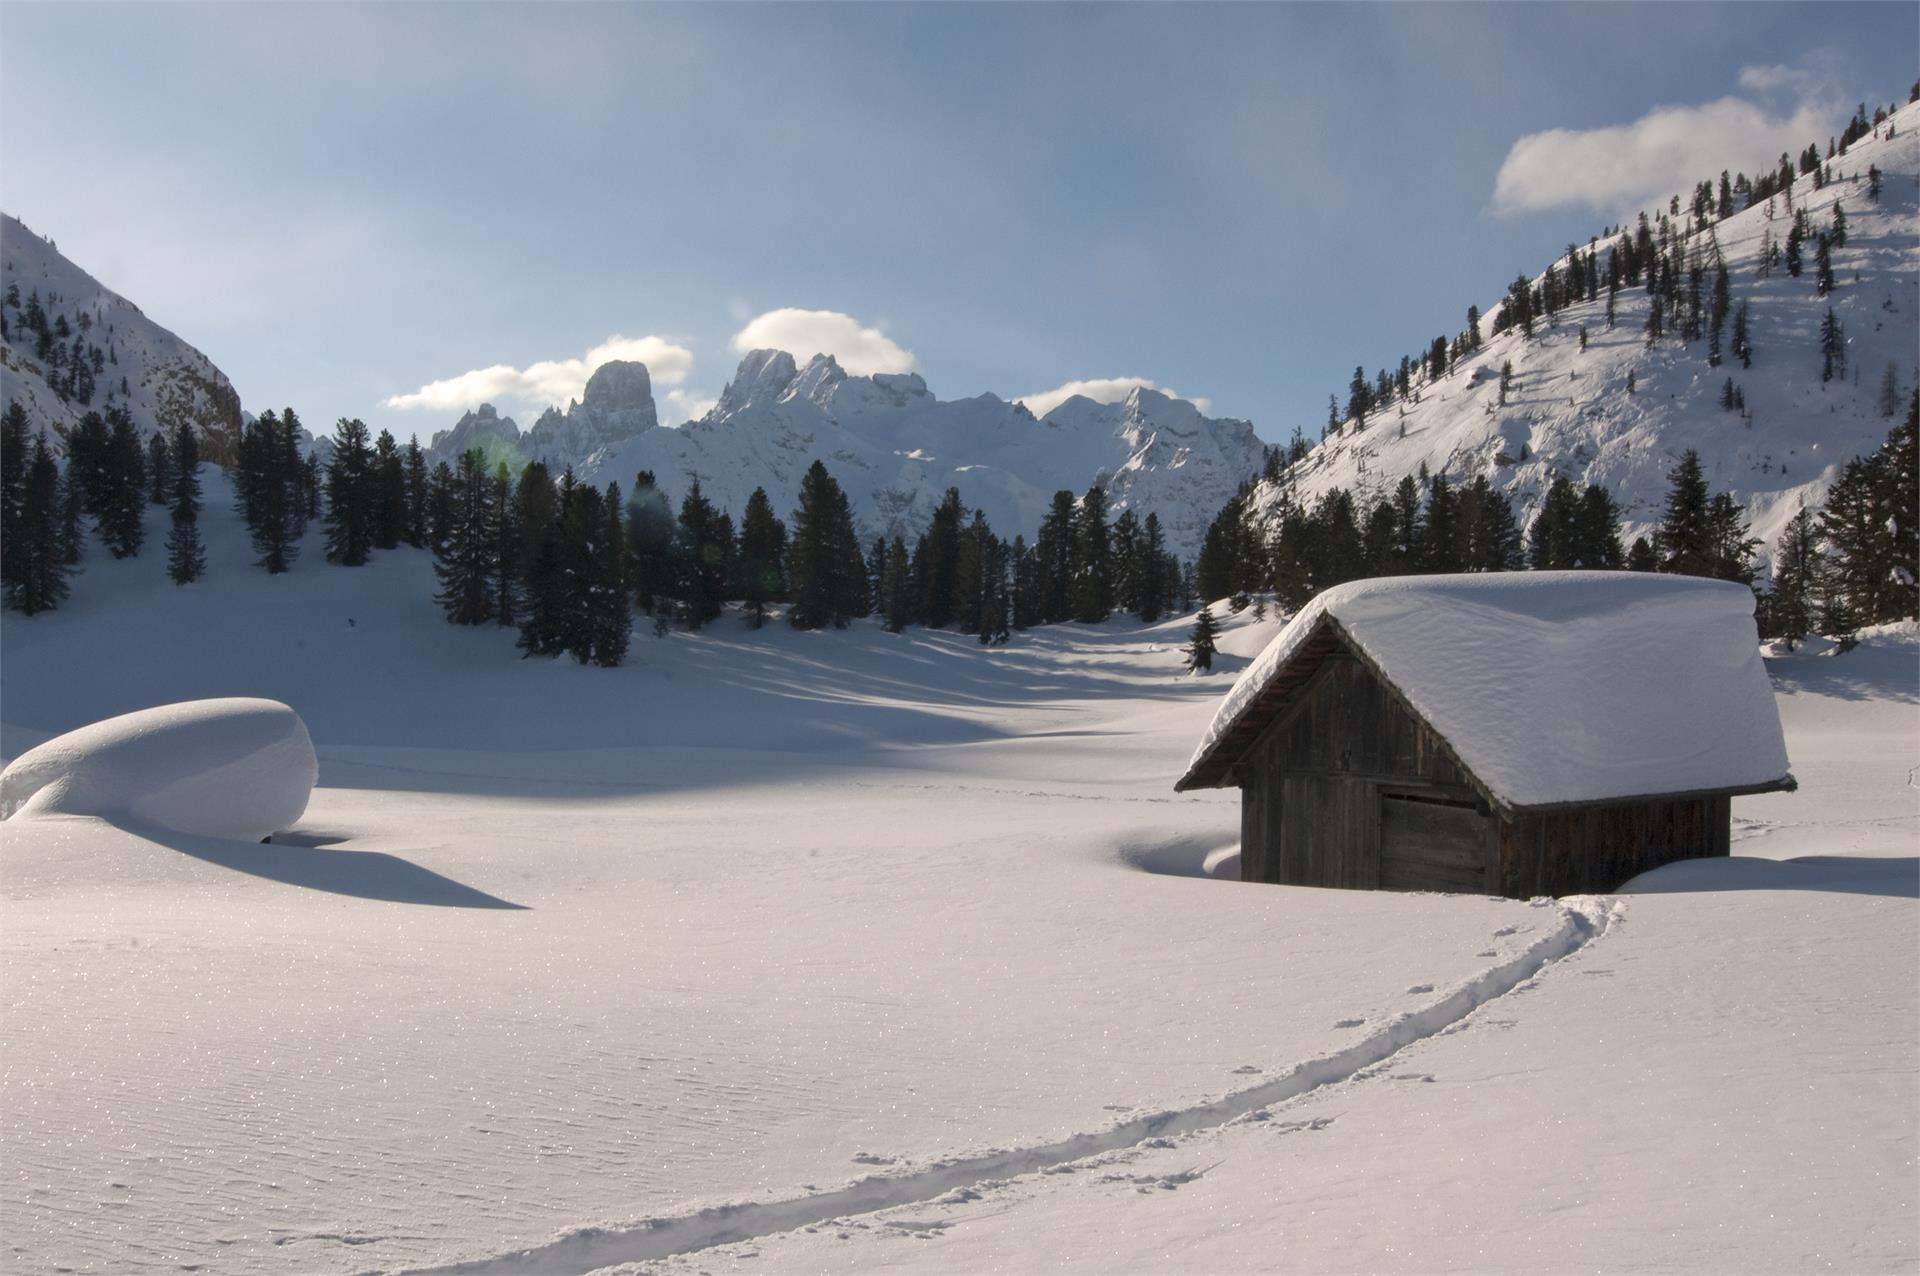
x=1583, y=919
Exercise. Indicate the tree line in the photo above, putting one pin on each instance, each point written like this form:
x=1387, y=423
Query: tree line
x=1853, y=562
x=566, y=563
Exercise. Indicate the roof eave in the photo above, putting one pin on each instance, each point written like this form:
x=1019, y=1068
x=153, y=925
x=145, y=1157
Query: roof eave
x=1784, y=784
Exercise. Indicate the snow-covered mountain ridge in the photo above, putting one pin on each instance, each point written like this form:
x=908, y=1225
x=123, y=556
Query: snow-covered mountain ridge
x=1570, y=410
x=165, y=379
x=892, y=445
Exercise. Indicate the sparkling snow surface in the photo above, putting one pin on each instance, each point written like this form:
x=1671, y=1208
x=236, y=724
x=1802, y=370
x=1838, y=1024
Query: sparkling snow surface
x=567, y=968
x=1560, y=686
x=230, y=768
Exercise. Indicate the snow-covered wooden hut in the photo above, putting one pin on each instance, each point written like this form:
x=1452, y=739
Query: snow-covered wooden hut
x=1523, y=733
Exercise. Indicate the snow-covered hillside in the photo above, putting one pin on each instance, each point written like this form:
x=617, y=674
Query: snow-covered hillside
x=166, y=381
x=893, y=446
x=1570, y=411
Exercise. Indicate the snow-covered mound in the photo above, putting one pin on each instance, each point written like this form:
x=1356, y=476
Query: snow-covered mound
x=1556, y=687
x=235, y=768
x=1570, y=410
x=166, y=381
x=893, y=446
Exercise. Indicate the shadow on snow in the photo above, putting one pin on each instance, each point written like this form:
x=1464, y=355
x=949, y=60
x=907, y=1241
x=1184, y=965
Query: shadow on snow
x=296, y=859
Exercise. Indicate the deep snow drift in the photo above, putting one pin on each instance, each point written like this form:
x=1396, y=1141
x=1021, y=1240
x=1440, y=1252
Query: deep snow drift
x=232, y=768
x=569, y=966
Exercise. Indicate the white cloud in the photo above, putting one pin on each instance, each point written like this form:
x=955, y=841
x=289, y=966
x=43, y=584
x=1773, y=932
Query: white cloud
x=1624, y=167
x=1768, y=79
x=1103, y=390
x=805, y=333
x=679, y=407
x=551, y=381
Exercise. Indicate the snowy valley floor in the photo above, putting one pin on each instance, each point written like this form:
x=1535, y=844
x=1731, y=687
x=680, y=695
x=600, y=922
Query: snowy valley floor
x=793, y=951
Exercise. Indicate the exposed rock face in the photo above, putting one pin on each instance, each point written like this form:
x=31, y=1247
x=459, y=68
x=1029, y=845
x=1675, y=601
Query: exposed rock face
x=482, y=428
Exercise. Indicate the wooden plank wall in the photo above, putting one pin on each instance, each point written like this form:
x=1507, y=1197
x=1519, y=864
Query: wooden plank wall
x=1432, y=846
x=1597, y=849
x=1310, y=805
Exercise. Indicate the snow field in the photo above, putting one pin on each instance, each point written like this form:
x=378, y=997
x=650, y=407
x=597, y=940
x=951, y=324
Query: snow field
x=764, y=928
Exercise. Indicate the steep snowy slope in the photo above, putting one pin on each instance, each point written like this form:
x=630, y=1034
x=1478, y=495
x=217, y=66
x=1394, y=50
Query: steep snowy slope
x=893, y=446
x=166, y=380
x=1570, y=411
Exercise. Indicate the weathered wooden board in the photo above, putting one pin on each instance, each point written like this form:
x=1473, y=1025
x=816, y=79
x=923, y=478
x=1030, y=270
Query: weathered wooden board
x=1433, y=845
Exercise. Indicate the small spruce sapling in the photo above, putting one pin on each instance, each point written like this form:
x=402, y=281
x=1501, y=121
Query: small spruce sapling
x=1200, y=644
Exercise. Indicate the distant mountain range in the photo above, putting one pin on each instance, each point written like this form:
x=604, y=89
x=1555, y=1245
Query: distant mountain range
x=892, y=445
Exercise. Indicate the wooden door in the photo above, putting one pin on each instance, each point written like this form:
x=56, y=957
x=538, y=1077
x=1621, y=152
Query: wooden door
x=1431, y=842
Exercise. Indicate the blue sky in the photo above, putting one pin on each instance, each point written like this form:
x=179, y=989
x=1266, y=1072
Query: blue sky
x=357, y=209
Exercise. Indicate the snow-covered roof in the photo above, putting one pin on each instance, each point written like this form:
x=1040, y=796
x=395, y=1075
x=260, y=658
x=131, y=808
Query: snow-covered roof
x=1551, y=688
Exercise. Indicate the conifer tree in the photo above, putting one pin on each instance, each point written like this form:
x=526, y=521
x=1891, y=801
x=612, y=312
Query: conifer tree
x=1156, y=572
x=1823, y=266
x=464, y=562
x=1025, y=590
x=1443, y=539
x=896, y=588
x=826, y=574
x=973, y=575
x=1742, y=347
x=41, y=562
x=1126, y=558
x=536, y=520
x=762, y=563
x=123, y=494
x=1217, y=571
x=186, y=557
x=1550, y=538
x=160, y=476
x=71, y=501
x=414, y=465
x=1642, y=557
x=877, y=575
x=1201, y=642
x=15, y=454
x=650, y=545
x=1093, y=560
x=1493, y=536
x=1887, y=401
x=1596, y=532
x=612, y=606
x=1861, y=550
x=506, y=544
x=1684, y=542
x=388, y=492
x=439, y=506
x=703, y=558
x=271, y=491
x=1833, y=347
x=350, y=495
x=1732, y=547
x=1797, y=571
x=1054, y=549
x=936, y=563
